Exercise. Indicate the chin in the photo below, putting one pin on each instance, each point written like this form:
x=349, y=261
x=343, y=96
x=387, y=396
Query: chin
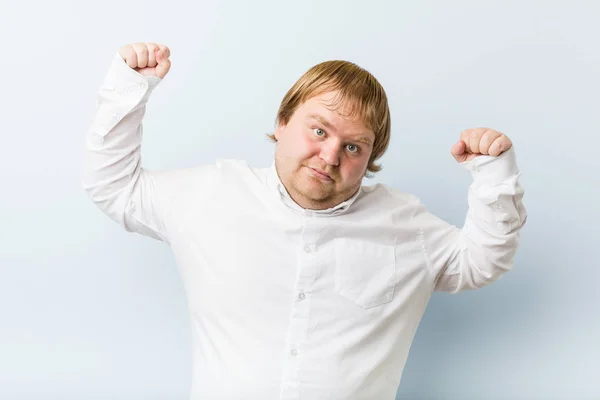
x=316, y=194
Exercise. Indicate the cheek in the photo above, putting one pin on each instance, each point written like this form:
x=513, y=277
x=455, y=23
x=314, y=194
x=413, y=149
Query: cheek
x=301, y=147
x=354, y=170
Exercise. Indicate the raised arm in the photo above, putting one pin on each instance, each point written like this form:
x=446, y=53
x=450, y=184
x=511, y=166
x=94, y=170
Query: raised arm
x=113, y=175
x=484, y=249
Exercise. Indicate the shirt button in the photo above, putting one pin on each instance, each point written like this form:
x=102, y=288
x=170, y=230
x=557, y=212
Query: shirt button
x=308, y=248
x=294, y=352
x=301, y=296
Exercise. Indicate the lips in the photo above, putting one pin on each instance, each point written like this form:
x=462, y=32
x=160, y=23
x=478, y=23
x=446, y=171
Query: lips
x=320, y=174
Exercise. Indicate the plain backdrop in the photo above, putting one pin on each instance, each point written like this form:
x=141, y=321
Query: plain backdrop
x=88, y=311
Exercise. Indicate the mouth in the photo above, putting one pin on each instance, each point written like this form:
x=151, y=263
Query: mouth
x=319, y=174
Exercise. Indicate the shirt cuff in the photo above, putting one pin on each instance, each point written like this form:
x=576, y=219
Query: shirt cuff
x=123, y=80
x=493, y=170
x=122, y=92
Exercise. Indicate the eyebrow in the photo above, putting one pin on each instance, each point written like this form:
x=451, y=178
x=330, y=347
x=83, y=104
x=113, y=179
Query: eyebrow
x=321, y=120
x=328, y=125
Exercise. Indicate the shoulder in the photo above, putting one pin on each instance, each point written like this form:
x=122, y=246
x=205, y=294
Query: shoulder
x=203, y=178
x=404, y=209
x=384, y=195
x=241, y=171
x=219, y=169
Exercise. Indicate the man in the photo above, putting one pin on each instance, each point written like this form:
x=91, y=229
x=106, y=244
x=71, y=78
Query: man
x=301, y=282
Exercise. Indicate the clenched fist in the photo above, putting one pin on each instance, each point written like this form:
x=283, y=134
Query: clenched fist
x=480, y=141
x=149, y=59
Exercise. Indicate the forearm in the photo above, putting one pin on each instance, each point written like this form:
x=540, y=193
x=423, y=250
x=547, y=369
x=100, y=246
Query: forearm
x=113, y=142
x=484, y=249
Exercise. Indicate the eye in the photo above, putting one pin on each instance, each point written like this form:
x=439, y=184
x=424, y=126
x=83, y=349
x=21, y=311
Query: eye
x=352, y=148
x=319, y=132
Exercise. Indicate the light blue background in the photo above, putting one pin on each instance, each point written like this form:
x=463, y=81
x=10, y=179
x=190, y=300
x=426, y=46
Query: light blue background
x=88, y=311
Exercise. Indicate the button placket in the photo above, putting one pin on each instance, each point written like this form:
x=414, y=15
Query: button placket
x=298, y=326
x=309, y=247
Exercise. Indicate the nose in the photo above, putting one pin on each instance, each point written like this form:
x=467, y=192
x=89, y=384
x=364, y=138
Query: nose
x=330, y=153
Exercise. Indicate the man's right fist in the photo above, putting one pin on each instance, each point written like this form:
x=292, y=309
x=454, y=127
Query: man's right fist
x=149, y=59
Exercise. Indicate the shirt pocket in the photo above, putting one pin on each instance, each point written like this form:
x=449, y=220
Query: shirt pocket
x=365, y=272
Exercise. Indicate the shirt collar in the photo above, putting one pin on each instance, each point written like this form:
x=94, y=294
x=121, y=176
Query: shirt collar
x=279, y=190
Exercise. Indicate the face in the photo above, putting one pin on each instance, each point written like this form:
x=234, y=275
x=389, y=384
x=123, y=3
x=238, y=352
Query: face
x=321, y=155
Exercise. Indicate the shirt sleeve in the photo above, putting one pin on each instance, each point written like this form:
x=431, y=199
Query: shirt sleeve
x=139, y=200
x=484, y=249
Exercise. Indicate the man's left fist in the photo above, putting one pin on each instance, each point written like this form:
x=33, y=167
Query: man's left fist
x=478, y=142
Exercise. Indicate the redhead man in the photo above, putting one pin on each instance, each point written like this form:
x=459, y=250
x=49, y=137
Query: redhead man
x=302, y=283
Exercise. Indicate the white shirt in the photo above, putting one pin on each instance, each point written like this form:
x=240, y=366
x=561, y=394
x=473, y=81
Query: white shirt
x=289, y=303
